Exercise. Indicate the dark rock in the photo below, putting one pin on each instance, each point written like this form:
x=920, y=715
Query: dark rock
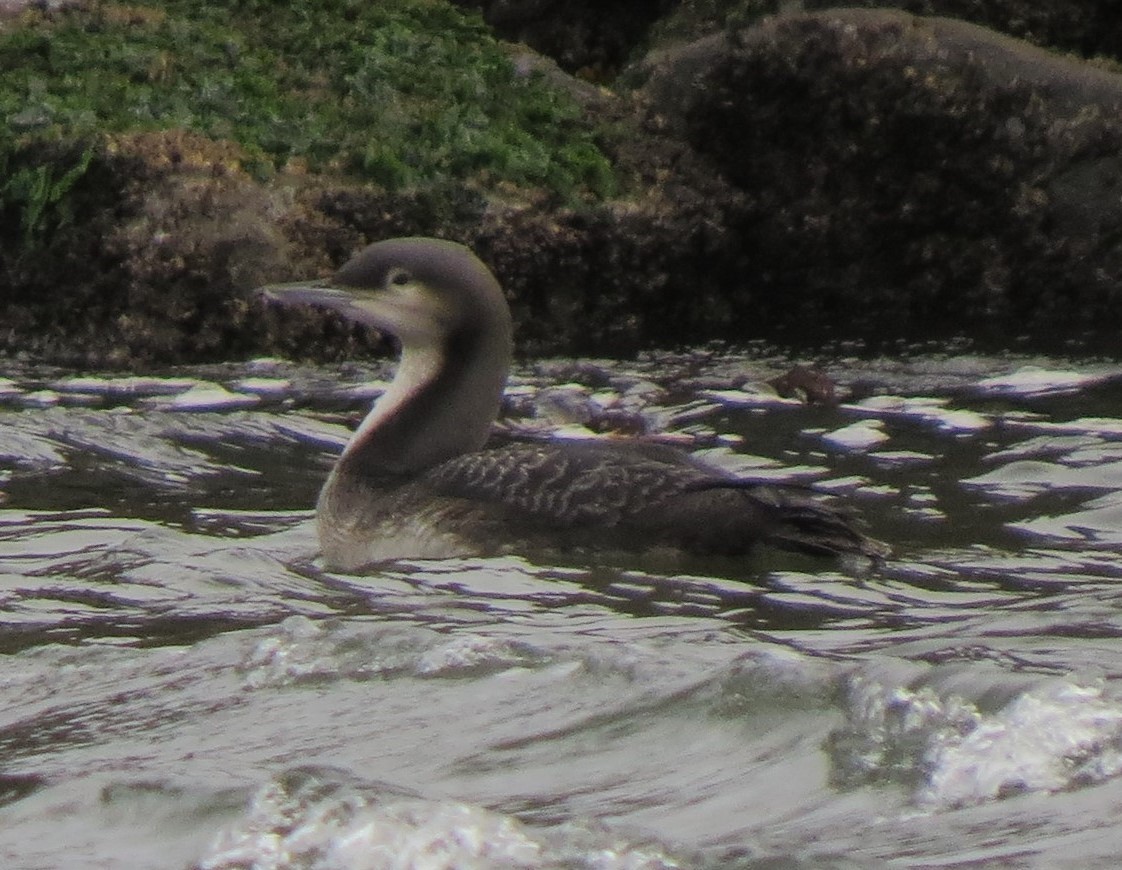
x=616, y=279
x=1089, y=27
x=908, y=176
x=592, y=38
x=836, y=175
x=812, y=386
x=167, y=237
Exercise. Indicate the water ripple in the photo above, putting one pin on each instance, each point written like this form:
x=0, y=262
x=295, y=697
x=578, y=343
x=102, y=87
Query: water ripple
x=179, y=662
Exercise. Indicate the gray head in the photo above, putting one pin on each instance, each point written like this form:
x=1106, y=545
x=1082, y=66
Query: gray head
x=423, y=291
x=449, y=313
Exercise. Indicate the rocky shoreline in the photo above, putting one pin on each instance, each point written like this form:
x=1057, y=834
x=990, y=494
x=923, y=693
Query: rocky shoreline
x=711, y=172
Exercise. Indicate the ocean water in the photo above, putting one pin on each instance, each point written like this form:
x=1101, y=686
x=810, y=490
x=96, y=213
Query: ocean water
x=184, y=685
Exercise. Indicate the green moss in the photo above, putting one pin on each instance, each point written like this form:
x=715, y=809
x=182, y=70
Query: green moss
x=399, y=92
x=35, y=189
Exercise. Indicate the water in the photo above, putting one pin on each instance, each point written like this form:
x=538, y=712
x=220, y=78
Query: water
x=184, y=686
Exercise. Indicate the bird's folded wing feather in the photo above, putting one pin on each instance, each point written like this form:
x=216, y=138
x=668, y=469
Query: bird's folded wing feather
x=567, y=484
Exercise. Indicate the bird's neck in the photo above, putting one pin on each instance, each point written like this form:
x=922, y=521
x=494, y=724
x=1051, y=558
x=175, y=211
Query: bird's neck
x=441, y=403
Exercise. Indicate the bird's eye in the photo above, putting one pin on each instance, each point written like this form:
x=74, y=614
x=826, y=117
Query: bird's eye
x=399, y=277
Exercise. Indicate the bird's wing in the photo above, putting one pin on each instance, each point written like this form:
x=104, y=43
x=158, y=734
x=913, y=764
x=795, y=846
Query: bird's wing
x=660, y=496
x=565, y=483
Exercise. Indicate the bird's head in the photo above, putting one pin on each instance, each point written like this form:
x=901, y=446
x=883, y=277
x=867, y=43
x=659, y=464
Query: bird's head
x=422, y=291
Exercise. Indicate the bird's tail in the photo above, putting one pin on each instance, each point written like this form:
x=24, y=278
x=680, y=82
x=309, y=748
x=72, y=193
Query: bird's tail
x=799, y=520
x=806, y=525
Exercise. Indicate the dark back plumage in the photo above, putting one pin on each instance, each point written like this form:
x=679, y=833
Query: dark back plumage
x=647, y=495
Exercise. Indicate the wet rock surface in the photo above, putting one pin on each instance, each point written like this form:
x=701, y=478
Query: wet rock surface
x=809, y=176
x=907, y=175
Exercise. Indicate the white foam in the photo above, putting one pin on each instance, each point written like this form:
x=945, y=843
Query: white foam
x=314, y=819
x=1044, y=740
x=950, y=728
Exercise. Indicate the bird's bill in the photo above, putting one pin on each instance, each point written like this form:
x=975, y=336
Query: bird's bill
x=320, y=295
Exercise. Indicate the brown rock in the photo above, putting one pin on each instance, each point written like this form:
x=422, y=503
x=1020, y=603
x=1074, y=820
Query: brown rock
x=909, y=176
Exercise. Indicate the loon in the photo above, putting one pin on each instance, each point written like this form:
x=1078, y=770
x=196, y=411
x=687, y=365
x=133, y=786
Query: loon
x=415, y=481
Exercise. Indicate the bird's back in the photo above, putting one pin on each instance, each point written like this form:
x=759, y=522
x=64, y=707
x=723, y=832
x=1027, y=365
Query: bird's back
x=568, y=495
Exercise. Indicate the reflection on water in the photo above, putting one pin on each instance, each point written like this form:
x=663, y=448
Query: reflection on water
x=185, y=686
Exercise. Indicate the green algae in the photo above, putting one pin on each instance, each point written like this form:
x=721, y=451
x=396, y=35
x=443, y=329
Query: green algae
x=403, y=93
x=38, y=191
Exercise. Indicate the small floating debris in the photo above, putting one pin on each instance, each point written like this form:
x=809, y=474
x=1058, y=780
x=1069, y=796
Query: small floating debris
x=204, y=396
x=1031, y=381
x=857, y=436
